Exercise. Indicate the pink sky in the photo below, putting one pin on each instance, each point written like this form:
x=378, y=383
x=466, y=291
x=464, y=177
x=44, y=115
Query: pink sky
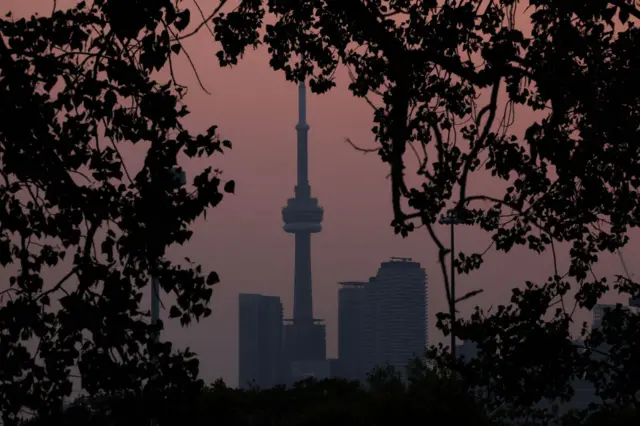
x=243, y=239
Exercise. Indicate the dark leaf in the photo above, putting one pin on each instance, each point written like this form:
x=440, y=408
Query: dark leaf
x=230, y=187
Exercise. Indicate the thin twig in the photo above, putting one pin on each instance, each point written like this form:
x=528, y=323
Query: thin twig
x=193, y=66
x=205, y=19
x=204, y=22
x=357, y=148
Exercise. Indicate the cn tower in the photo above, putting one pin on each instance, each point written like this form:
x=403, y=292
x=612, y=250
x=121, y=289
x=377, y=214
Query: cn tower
x=304, y=335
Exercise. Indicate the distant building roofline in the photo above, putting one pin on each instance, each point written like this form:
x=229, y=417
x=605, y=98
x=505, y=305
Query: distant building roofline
x=315, y=320
x=257, y=295
x=353, y=283
x=401, y=259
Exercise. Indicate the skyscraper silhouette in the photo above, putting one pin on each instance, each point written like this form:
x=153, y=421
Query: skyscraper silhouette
x=394, y=323
x=382, y=321
x=259, y=340
x=350, y=314
x=304, y=335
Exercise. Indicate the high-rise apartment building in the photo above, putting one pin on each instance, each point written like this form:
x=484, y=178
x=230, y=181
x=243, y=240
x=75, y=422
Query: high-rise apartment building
x=394, y=323
x=382, y=321
x=260, y=341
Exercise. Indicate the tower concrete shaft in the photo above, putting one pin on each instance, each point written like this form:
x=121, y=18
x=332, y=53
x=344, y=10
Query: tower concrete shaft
x=302, y=284
x=302, y=216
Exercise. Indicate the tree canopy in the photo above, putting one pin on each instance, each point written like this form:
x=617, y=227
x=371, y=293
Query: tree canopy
x=80, y=233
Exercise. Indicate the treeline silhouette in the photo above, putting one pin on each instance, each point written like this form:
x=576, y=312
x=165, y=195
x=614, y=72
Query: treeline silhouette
x=387, y=398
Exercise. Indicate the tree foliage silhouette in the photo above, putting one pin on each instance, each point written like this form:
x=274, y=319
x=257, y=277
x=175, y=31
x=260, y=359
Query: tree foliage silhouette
x=386, y=400
x=81, y=235
x=430, y=394
x=446, y=79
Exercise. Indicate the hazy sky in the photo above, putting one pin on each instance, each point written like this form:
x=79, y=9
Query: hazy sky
x=243, y=239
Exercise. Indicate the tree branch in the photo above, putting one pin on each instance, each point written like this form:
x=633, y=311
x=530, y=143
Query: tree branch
x=442, y=253
x=623, y=5
x=479, y=144
x=58, y=286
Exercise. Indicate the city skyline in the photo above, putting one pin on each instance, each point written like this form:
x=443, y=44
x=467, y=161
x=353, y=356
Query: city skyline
x=391, y=312
x=382, y=321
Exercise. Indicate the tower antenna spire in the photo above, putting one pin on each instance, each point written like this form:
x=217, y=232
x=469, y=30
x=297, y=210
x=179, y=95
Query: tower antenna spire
x=302, y=103
x=302, y=189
